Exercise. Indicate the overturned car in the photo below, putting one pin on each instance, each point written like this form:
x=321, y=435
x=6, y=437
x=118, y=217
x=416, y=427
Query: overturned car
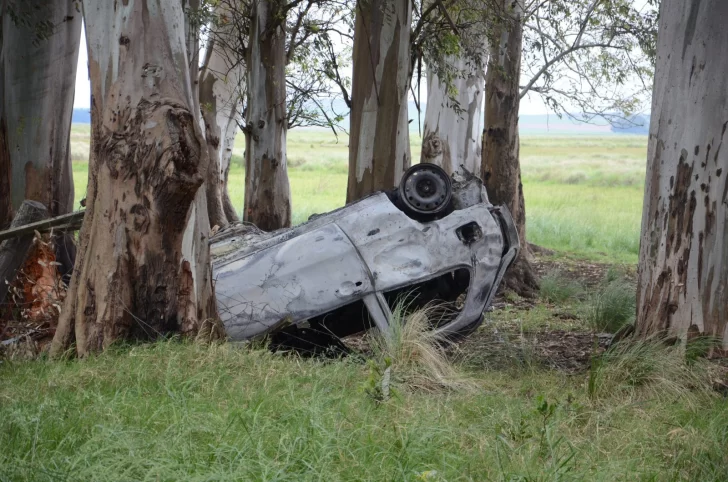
x=434, y=240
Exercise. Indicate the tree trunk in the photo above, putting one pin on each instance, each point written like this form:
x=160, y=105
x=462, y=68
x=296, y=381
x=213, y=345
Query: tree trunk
x=37, y=81
x=142, y=268
x=452, y=135
x=501, y=168
x=6, y=206
x=14, y=251
x=683, y=271
x=267, y=191
x=191, y=11
x=226, y=155
x=220, y=93
x=198, y=296
x=379, y=150
x=213, y=136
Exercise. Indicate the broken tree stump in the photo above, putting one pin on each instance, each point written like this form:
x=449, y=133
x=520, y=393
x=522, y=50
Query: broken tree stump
x=13, y=251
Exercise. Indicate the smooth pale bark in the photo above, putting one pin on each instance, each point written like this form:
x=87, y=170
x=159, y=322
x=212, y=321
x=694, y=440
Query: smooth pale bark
x=226, y=155
x=379, y=150
x=452, y=134
x=683, y=270
x=142, y=268
x=267, y=189
x=221, y=83
x=197, y=296
x=501, y=166
x=37, y=82
x=191, y=10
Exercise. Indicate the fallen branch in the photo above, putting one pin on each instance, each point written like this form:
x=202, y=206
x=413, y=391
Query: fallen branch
x=66, y=222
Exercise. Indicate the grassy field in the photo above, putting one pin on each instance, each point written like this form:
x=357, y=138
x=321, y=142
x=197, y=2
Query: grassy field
x=529, y=397
x=179, y=411
x=583, y=194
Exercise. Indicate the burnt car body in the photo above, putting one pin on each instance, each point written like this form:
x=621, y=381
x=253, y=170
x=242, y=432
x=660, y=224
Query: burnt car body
x=341, y=273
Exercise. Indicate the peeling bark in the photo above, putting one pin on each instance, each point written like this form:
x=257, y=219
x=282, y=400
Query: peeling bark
x=501, y=170
x=452, y=132
x=267, y=190
x=220, y=90
x=37, y=80
x=683, y=271
x=379, y=150
x=142, y=268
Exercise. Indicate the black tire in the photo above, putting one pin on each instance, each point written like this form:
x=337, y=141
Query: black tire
x=425, y=191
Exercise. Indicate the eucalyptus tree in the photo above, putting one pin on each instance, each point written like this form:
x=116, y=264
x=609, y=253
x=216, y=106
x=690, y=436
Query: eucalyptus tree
x=267, y=189
x=39, y=42
x=453, y=44
x=501, y=171
x=142, y=268
x=222, y=90
x=280, y=66
x=379, y=150
x=683, y=268
x=585, y=58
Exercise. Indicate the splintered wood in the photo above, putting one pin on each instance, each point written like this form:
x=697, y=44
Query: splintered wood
x=35, y=297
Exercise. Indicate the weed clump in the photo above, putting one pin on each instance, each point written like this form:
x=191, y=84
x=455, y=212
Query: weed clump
x=649, y=367
x=417, y=356
x=556, y=287
x=613, y=305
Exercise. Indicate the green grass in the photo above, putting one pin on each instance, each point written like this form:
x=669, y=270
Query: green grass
x=612, y=306
x=177, y=411
x=557, y=287
x=583, y=194
x=180, y=411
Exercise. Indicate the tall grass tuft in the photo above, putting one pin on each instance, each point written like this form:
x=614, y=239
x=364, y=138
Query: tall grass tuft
x=649, y=368
x=613, y=305
x=556, y=287
x=417, y=355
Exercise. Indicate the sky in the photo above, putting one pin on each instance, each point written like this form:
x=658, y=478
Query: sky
x=530, y=105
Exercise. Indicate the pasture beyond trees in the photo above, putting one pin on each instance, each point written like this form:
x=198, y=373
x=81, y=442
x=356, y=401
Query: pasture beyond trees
x=584, y=193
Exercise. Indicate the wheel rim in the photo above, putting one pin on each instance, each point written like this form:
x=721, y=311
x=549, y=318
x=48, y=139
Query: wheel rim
x=426, y=189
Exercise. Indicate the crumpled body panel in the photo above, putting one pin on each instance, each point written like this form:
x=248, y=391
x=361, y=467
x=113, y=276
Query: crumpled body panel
x=266, y=281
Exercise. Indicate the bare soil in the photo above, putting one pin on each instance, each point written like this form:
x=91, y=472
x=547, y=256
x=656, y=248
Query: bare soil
x=500, y=347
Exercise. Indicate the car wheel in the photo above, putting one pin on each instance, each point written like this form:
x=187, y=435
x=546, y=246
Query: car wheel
x=425, y=190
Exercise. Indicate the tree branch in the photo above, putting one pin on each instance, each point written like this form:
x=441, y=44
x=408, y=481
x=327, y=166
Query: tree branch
x=557, y=59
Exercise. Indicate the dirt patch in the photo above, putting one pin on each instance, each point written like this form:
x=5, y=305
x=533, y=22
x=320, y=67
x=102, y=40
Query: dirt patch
x=571, y=352
x=590, y=274
x=495, y=346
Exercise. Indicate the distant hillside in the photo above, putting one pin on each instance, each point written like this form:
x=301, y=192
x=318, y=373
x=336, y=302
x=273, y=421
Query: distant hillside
x=639, y=124
x=81, y=116
x=529, y=124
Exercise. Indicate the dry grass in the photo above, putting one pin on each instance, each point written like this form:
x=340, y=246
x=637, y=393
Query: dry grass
x=419, y=358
